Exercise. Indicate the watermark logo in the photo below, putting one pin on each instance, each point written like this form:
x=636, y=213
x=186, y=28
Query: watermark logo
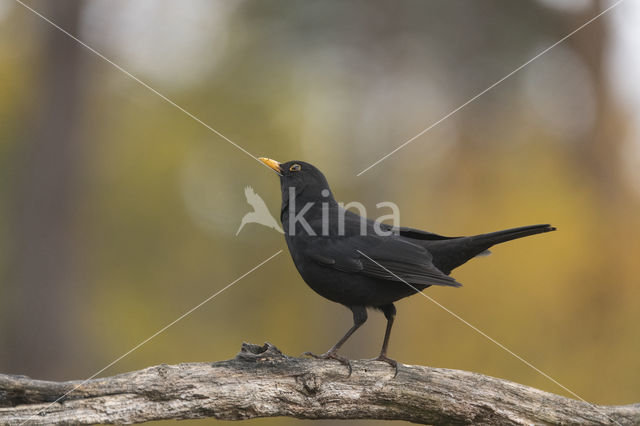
x=260, y=213
x=336, y=220
x=329, y=217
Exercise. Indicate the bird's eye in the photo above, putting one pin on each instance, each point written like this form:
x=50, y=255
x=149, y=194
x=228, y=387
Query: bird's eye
x=295, y=168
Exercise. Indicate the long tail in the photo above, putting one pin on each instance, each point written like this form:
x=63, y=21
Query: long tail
x=494, y=238
x=449, y=254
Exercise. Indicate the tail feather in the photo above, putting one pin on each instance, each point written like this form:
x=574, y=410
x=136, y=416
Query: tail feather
x=449, y=254
x=511, y=234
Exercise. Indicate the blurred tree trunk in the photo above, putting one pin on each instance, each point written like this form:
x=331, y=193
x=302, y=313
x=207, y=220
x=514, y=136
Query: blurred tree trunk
x=599, y=152
x=40, y=320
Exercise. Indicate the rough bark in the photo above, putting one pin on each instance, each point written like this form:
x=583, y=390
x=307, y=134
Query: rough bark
x=262, y=382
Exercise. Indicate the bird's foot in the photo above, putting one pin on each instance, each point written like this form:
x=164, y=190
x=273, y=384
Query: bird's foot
x=391, y=362
x=332, y=355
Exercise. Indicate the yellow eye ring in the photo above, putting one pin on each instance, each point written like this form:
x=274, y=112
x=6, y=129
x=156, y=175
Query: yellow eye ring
x=295, y=168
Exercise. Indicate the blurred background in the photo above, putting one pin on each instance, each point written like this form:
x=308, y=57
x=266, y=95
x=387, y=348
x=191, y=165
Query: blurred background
x=118, y=212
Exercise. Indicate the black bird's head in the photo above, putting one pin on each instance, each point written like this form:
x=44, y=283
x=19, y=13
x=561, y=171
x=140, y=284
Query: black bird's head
x=308, y=181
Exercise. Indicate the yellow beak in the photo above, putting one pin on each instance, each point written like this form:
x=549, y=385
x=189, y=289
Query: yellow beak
x=271, y=163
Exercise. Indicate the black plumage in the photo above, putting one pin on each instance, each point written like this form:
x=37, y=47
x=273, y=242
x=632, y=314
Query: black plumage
x=363, y=264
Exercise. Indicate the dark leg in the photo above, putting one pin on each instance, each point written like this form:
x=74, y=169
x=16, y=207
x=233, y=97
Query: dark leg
x=359, y=318
x=389, y=313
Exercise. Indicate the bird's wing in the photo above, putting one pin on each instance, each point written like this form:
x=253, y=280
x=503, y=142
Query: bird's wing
x=421, y=235
x=416, y=234
x=387, y=258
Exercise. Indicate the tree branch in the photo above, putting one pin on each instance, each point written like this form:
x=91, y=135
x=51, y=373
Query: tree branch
x=261, y=382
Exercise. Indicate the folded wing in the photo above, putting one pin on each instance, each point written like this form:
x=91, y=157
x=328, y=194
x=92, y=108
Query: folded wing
x=389, y=258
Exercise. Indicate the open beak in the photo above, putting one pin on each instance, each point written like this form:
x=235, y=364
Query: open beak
x=271, y=163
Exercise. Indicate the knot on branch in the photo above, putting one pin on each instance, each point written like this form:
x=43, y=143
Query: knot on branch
x=251, y=352
x=310, y=383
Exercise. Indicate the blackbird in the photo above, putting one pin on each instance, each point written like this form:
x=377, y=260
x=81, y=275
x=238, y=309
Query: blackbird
x=361, y=263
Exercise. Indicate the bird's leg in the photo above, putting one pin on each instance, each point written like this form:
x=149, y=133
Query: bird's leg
x=359, y=318
x=389, y=313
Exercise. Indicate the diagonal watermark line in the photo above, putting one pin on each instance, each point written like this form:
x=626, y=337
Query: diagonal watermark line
x=407, y=142
x=163, y=329
x=133, y=77
x=490, y=338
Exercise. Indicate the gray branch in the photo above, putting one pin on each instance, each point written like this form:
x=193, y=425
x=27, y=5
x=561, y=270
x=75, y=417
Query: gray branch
x=262, y=382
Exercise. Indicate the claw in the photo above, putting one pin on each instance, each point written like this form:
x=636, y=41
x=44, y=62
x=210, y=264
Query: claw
x=332, y=355
x=391, y=362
